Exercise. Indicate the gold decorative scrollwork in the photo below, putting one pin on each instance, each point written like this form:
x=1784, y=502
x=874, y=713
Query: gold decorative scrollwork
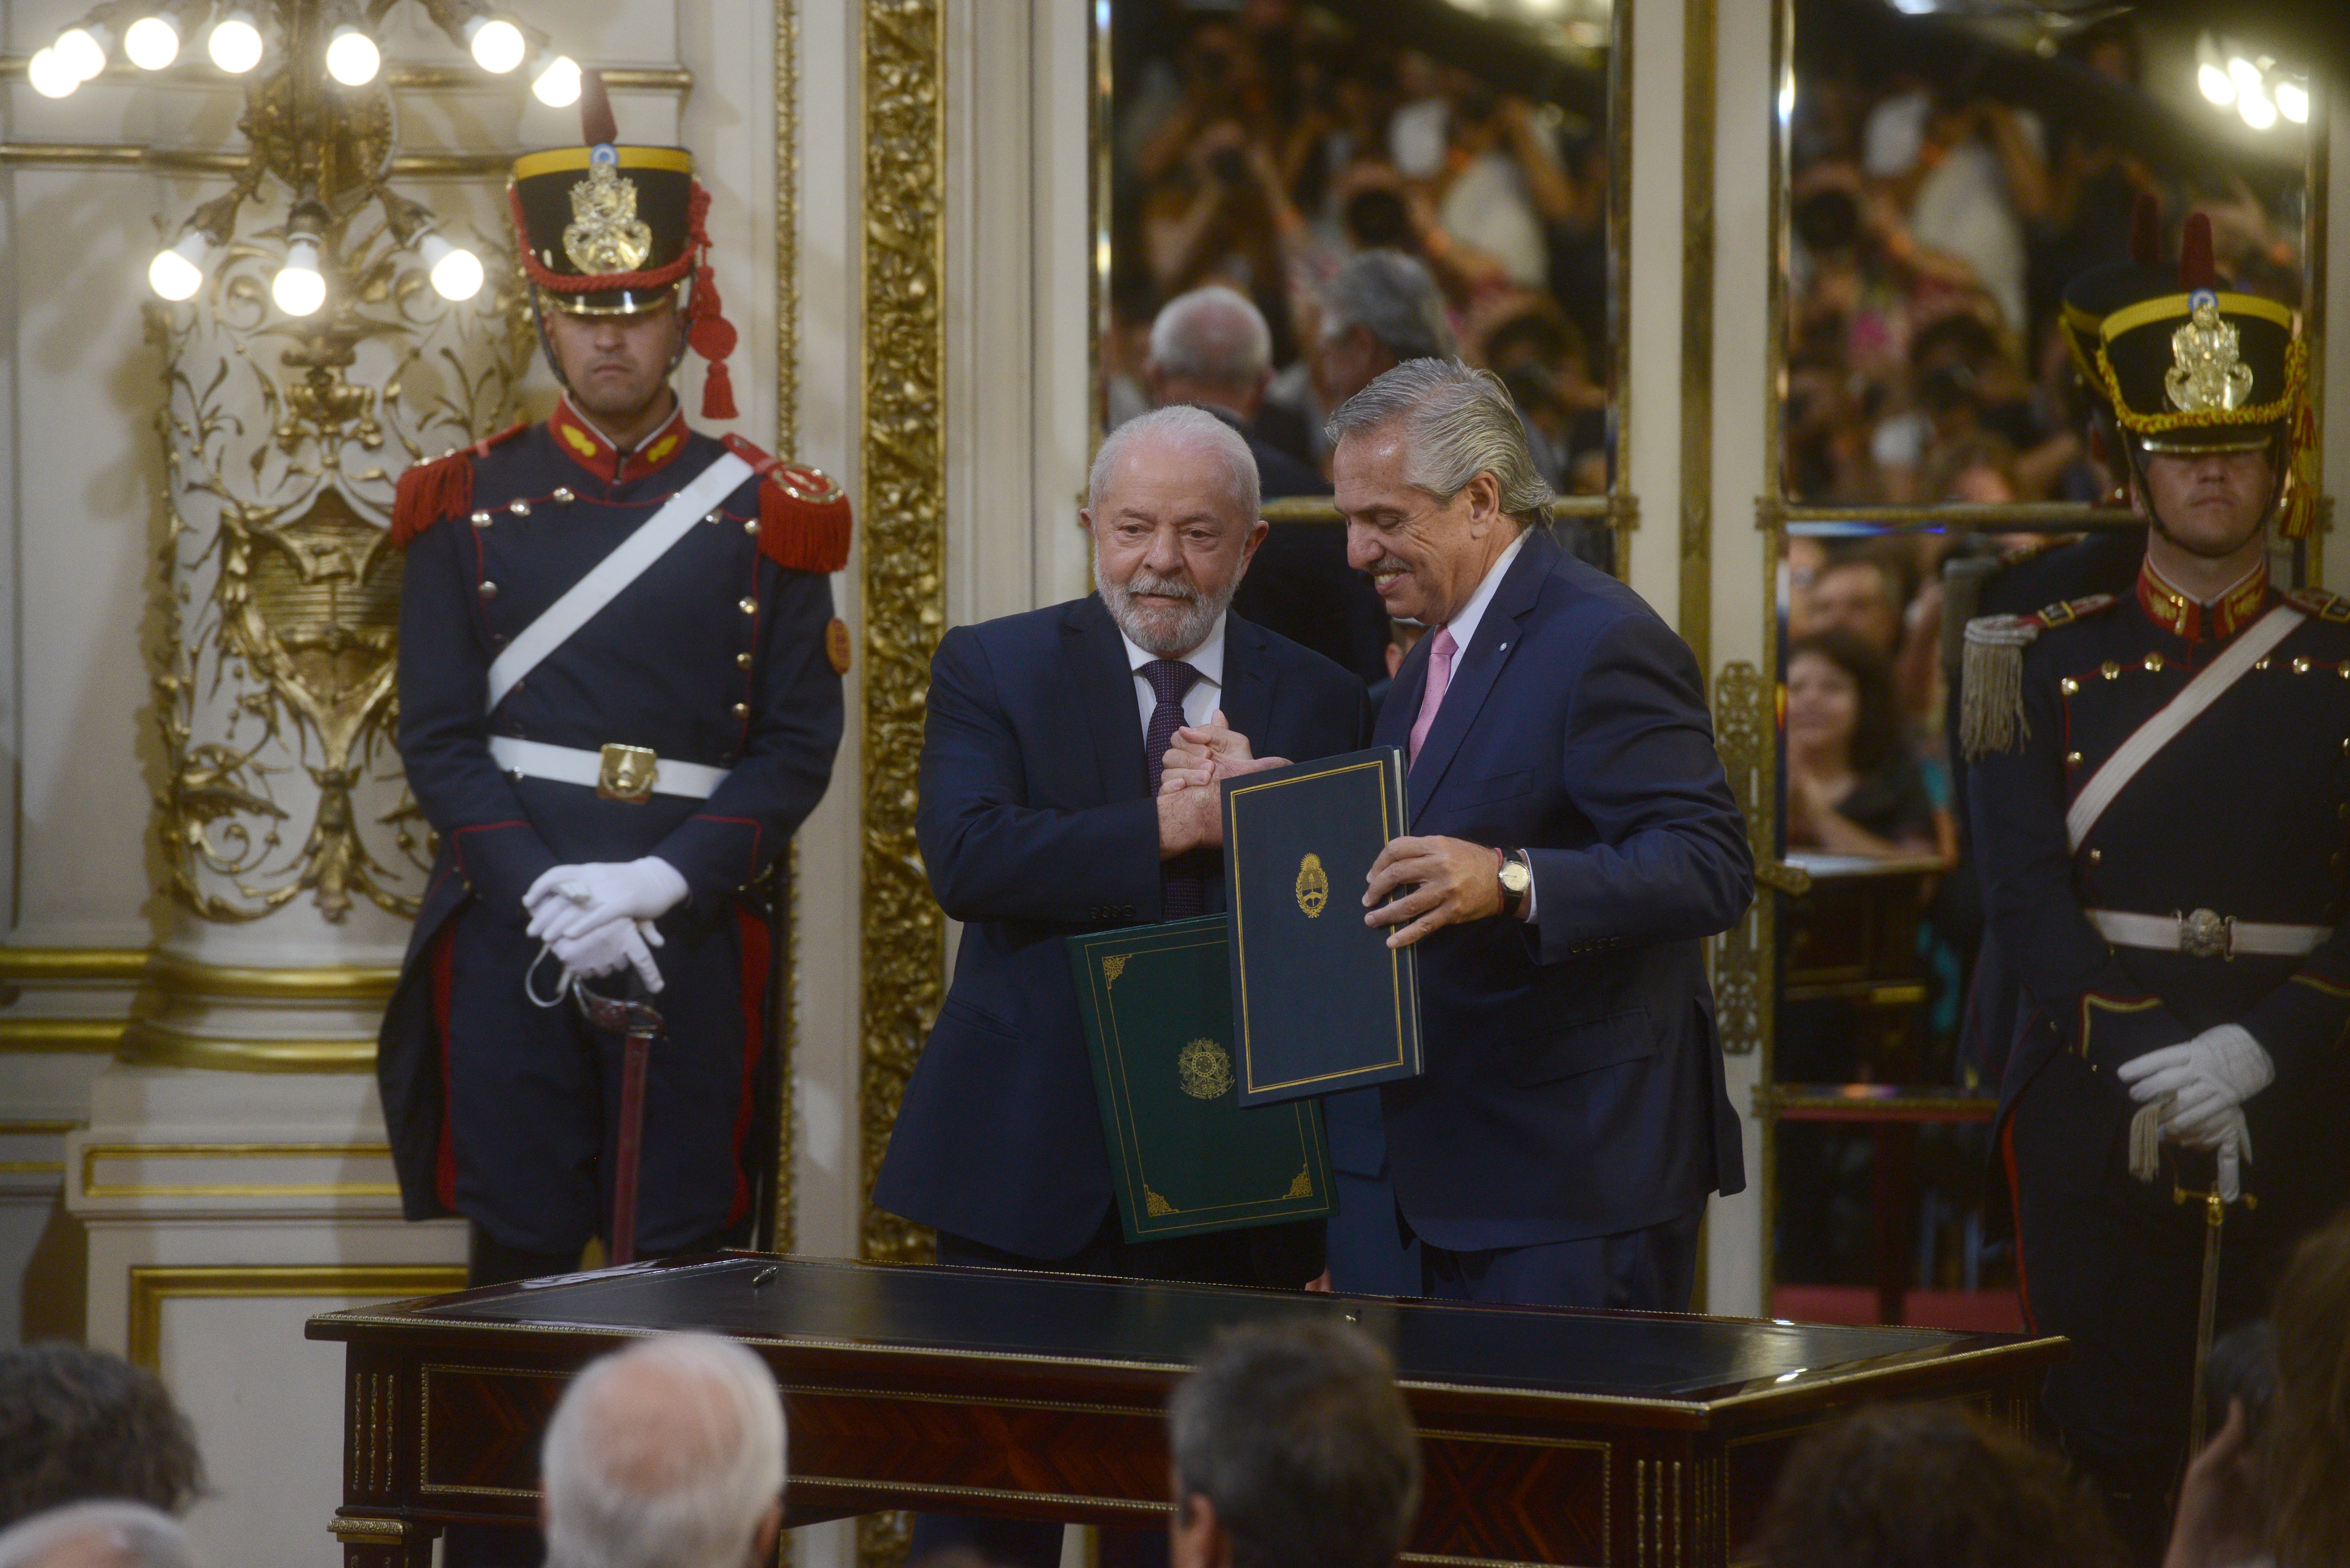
x=1745, y=732
x=904, y=933
x=782, y=1225
x=271, y=640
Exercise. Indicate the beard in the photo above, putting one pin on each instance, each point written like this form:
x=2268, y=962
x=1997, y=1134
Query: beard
x=1163, y=633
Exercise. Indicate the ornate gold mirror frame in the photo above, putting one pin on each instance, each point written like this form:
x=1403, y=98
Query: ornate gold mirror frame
x=1619, y=508
x=1748, y=702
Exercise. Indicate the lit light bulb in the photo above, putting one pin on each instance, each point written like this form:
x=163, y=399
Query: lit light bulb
x=152, y=42
x=352, y=58
x=176, y=274
x=2254, y=105
x=2246, y=75
x=456, y=272
x=498, y=45
x=235, y=44
x=557, y=83
x=299, y=289
x=49, y=76
x=2292, y=102
x=82, y=50
x=2216, y=83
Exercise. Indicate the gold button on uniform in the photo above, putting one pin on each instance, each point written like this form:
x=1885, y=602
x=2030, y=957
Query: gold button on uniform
x=2071, y=759
x=2301, y=667
x=750, y=607
x=2068, y=686
x=483, y=519
x=563, y=493
x=751, y=526
x=2152, y=663
x=2096, y=857
x=742, y=710
x=489, y=590
x=2110, y=671
x=742, y=660
x=518, y=506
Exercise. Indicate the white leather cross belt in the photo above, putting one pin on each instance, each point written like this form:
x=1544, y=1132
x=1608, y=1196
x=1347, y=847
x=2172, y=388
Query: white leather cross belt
x=2205, y=934
x=629, y=773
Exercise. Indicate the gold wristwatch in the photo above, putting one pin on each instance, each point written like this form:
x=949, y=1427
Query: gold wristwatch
x=1517, y=881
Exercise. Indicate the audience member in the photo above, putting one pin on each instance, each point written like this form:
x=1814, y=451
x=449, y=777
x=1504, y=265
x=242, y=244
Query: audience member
x=1927, y=1487
x=1852, y=786
x=2305, y=1447
x=97, y=1535
x=80, y=1425
x=1860, y=591
x=1381, y=310
x=669, y=1454
x=1293, y=1449
x=1210, y=348
x=2222, y=1517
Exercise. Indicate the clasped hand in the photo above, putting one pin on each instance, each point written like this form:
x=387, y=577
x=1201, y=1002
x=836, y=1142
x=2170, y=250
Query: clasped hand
x=1190, y=809
x=598, y=917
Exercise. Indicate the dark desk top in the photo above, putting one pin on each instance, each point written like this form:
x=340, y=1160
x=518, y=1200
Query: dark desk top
x=1090, y=1322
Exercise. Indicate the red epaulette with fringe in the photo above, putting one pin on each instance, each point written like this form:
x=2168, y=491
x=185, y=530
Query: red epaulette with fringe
x=804, y=515
x=432, y=492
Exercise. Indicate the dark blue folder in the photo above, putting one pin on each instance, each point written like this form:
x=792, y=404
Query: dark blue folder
x=1320, y=1003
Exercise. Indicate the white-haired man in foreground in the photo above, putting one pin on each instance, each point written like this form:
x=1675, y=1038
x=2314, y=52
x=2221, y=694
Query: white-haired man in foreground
x=669, y=1454
x=97, y=1535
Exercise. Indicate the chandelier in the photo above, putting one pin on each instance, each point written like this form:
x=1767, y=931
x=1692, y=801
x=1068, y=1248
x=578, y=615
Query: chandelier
x=319, y=120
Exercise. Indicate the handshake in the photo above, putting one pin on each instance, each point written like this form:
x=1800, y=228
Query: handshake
x=598, y=918
x=1190, y=810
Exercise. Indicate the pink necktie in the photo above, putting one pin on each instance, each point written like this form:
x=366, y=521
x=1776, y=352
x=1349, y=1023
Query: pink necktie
x=1439, y=676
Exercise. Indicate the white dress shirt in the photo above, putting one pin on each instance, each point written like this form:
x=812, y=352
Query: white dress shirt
x=1207, y=693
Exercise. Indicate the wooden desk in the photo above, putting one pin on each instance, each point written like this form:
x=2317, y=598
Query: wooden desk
x=1548, y=1435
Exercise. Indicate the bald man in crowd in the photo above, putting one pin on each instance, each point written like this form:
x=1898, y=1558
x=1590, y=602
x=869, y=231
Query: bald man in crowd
x=669, y=1454
x=1211, y=349
x=112, y=1534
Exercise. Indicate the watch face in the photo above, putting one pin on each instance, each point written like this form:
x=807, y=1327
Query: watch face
x=1515, y=878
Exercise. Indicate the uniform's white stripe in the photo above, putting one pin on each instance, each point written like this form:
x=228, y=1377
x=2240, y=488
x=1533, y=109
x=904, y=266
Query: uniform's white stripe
x=2180, y=711
x=615, y=572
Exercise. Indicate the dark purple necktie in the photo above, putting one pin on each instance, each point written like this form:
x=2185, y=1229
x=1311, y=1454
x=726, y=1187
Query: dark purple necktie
x=1182, y=892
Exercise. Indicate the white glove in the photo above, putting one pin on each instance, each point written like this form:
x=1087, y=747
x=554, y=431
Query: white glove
x=2229, y=1136
x=572, y=900
x=2211, y=1075
x=610, y=948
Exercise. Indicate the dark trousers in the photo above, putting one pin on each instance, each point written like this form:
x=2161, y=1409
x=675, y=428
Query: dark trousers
x=1273, y=1256
x=534, y=1092
x=1650, y=1269
x=1372, y=1252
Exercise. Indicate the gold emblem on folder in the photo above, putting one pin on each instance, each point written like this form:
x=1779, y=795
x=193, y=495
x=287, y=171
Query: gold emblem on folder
x=2205, y=374
x=1204, y=1071
x=605, y=234
x=1313, y=886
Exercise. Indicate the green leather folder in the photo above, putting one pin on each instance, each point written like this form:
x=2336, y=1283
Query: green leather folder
x=1320, y=1002
x=1185, y=1155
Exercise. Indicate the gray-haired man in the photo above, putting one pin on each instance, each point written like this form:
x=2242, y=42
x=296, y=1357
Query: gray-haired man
x=1293, y=1449
x=1572, y=840
x=669, y=1454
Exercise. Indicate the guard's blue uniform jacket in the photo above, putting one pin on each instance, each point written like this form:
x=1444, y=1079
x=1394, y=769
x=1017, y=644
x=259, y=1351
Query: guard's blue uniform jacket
x=2242, y=815
x=724, y=653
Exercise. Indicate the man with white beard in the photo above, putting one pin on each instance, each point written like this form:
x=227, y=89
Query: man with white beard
x=1042, y=816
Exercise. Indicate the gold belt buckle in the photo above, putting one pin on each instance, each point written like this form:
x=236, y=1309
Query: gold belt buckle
x=2205, y=934
x=627, y=773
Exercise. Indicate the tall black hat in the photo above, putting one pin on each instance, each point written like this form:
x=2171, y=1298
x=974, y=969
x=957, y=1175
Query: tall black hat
x=610, y=230
x=2186, y=365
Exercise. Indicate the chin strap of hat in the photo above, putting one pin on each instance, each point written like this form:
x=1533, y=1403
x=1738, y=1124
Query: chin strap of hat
x=707, y=331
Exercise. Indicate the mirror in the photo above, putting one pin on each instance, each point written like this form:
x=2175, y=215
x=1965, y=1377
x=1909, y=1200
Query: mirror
x=1938, y=181
x=1270, y=146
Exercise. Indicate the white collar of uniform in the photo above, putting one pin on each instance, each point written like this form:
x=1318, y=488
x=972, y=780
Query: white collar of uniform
x=1463, y=626
x=1208, y=658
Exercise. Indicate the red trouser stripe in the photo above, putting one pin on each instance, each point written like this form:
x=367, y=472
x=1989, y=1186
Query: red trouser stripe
x=444, y=974
x=753, y=933
x=2015, y=1207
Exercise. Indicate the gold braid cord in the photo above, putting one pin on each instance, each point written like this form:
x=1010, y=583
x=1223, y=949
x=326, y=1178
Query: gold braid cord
x=2296, y=376
x=781, y=1222
x=1746, y=735
x=904, y=934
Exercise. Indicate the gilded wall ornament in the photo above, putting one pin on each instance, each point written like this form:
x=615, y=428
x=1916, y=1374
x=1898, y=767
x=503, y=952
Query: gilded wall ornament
x=1745, y=733
x=271, y=644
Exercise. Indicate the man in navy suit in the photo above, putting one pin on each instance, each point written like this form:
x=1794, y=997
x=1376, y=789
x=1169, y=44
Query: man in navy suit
x=1573, y=843
x=1041, y=815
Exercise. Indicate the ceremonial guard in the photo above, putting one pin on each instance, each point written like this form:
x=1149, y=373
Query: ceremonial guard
x=2161, y=781
x=620, y=696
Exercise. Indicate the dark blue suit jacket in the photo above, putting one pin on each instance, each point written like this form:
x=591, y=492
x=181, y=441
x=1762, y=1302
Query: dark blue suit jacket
x=1573, y=1086
x=1036, y=821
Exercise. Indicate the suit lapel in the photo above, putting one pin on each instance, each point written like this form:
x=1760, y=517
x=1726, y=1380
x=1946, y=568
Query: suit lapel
x=1247, y=698
x=1401, y=705
x=1091, y=642
x=1478, y=667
